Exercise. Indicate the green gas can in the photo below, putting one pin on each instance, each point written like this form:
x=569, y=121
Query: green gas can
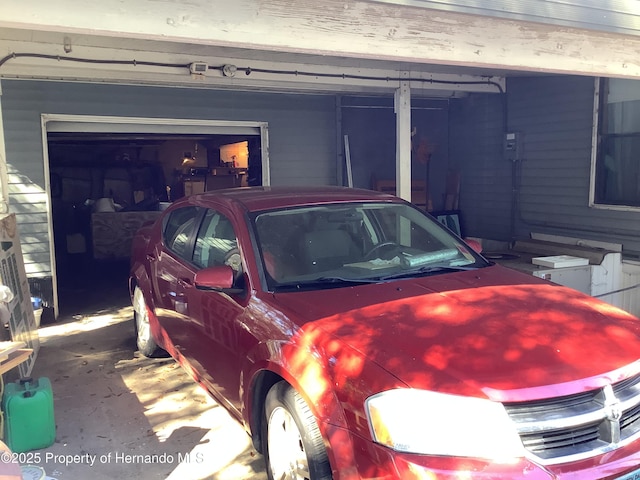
x=28, y=414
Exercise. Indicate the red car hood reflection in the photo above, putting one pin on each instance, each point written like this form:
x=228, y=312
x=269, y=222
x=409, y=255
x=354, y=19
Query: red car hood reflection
x=480, y=333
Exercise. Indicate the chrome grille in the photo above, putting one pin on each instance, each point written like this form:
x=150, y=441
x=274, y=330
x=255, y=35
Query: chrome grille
x=631, y=420
x=581, y=425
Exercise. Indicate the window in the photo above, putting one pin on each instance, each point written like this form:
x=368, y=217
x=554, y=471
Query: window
x=329, y=246
x=178, y=231
x=617, y=171
x=216, y=243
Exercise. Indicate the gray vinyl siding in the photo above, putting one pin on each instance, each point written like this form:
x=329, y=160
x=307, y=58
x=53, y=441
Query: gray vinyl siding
x=555, y=117
x=28, y=202
x=476, y=129
x=302, y=136
x=617, y=16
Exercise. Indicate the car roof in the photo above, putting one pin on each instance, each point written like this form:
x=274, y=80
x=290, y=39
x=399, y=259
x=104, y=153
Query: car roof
x=266, y=198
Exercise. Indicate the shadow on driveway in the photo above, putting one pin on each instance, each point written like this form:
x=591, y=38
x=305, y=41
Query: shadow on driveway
x=120, y=415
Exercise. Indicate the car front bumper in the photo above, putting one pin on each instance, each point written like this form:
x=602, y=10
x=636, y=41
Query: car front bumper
x=368, y=460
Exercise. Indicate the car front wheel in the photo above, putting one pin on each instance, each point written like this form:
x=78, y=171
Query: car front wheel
x=294, y=446
x=146, y=344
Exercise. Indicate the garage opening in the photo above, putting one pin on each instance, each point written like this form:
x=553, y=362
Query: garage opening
x=106, y=179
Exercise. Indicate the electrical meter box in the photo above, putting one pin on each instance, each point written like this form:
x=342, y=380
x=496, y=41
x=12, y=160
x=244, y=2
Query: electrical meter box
x=512, y=146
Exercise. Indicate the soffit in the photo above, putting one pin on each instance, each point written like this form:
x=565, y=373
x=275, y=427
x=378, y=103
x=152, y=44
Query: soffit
x=256, y=69
x=357, y=38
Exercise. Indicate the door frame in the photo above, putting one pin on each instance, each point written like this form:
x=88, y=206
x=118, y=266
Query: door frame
x=115, y=124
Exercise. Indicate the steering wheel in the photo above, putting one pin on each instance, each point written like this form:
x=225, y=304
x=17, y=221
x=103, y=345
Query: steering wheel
x=370, y=254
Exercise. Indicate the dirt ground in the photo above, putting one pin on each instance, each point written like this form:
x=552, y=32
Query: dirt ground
x=120, y=415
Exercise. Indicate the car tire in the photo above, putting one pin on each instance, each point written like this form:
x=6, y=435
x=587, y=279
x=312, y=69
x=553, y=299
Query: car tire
x=294, y=448
x=144, y=339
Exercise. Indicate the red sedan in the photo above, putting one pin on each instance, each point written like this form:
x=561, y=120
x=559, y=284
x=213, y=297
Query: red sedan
x=356, y=337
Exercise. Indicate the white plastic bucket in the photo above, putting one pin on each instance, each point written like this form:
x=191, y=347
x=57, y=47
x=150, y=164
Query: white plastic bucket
x=104, y=205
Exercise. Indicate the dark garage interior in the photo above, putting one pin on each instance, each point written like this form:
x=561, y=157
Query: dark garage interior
x=105, y=186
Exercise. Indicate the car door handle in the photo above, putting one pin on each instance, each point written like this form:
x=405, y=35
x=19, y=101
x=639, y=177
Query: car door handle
x=151, y=257
x=185, y=282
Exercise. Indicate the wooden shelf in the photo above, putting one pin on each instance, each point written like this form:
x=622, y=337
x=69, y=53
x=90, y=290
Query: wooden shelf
x=12, y=354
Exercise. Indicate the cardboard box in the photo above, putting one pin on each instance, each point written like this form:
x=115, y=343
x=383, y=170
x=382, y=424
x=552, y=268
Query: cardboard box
x=193, y=187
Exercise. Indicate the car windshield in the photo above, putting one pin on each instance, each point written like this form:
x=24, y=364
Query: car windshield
x=342, y=244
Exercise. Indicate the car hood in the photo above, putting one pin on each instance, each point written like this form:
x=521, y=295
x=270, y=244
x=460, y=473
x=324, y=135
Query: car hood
x=492, y=332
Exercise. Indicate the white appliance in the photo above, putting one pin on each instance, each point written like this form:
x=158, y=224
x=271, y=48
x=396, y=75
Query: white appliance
x=598, y=271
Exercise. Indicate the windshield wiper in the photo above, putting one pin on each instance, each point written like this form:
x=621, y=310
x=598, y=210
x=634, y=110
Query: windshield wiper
x=428, y=270
x=334, y=280
x=325, y=282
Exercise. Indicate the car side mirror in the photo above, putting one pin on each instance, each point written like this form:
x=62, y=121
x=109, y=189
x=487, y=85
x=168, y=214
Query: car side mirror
x=474, y=244
x=218, y=279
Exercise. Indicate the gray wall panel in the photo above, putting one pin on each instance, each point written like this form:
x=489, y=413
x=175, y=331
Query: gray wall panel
x=302, y=134
x=476, y=127
x=555, y=116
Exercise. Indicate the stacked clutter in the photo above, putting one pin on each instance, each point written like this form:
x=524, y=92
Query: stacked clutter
x=36, y=302
x=29, y=420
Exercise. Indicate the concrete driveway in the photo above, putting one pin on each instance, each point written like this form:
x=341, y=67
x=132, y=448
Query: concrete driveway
x=120, y=415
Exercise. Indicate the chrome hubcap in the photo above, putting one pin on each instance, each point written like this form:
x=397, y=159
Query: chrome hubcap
x=142, y=320
x=287, y=458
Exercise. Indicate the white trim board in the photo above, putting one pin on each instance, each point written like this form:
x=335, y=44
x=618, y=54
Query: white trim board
x=110, y=124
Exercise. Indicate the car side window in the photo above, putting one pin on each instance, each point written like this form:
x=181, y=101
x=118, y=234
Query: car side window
x=178, y=231
x=216, y=243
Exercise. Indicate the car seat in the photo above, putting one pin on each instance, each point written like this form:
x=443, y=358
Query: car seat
x=326, y=250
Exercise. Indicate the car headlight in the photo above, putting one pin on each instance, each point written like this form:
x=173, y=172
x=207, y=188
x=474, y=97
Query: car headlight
x=430, y=423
